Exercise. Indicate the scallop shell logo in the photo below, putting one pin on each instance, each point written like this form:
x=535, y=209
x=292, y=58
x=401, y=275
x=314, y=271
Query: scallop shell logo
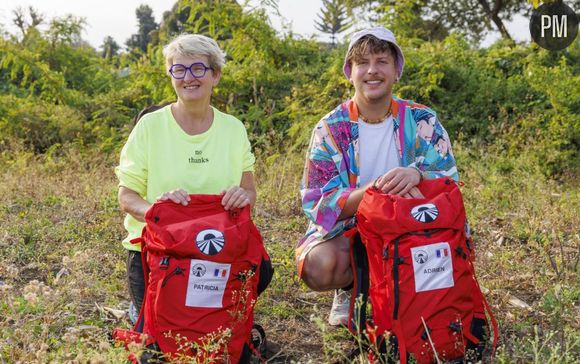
x=425, y=213
x=210, y=241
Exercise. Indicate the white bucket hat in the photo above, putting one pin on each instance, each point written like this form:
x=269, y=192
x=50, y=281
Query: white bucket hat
x=381, y=33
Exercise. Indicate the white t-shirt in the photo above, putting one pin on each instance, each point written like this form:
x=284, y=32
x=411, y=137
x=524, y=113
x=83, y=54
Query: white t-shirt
x=377, y=149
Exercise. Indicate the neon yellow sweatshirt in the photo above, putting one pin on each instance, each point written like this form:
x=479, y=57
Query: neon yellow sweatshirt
x=160, y=157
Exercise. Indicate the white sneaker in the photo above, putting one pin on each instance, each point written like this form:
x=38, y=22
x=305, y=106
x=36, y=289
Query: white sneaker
x=340, y=308
x=133, y=314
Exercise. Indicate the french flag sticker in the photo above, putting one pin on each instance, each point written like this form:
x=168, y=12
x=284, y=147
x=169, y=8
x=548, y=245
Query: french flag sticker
x=441, y=252
x=220, y=273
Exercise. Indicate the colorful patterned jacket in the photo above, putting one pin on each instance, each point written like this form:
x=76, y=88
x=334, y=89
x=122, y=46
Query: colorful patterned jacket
x=331, y=170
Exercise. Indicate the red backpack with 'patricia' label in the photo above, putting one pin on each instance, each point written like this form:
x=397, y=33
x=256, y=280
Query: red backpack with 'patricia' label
x=203, y=266
x=414, y=260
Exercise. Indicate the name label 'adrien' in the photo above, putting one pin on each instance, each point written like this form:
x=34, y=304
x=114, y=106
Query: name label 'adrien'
x=432, y=266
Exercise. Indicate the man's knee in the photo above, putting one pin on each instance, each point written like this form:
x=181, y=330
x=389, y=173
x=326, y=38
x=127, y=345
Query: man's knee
x=327, y=265
x=318, y=270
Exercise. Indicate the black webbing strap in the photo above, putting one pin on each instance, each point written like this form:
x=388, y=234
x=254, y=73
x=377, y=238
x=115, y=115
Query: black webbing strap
x=396, y=263
x=141, y=318
x=360, y=267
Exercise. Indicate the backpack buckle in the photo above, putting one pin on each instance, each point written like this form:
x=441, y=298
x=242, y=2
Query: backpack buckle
x=460, y=253
x=455, y=326
x=386, y=253
x=425, y=334
x=164, y=263
x=468, y=243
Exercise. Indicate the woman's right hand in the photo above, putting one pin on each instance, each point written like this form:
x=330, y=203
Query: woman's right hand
x=179, y=196
x=132, y=203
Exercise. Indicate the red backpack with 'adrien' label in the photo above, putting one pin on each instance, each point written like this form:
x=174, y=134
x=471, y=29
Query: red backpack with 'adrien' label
x=414, y=260
x=203, y=277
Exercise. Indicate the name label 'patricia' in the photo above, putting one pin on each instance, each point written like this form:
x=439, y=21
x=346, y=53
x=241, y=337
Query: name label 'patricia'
x=206, y=283
x=206, y=287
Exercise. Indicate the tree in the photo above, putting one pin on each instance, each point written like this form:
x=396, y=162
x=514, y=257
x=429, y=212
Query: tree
x=333, y=18
x=66, y=30
x=173, y=21
x=109, y=48
x=147, y=25
x=24, y=25
x=200, y=16
x=433, y=19
x=476, y=17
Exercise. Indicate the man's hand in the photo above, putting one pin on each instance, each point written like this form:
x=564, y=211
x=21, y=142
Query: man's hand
x=399, y=181
x=414, y=193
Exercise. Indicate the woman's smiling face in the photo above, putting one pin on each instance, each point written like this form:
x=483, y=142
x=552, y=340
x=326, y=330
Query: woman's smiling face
x=192, y=88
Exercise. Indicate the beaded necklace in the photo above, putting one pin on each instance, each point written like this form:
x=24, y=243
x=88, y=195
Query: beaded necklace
x=376, y=121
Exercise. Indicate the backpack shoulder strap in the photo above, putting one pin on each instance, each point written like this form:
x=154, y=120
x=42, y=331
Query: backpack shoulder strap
x=360, y=269
x=402, y=105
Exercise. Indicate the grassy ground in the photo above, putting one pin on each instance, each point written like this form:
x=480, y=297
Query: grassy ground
x=62, y=269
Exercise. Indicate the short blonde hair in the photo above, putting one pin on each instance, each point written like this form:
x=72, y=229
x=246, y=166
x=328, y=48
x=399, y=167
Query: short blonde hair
x=373, y=45
x=190, y=45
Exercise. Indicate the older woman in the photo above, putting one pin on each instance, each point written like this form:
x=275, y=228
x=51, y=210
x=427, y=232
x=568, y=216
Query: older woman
x=187, y=147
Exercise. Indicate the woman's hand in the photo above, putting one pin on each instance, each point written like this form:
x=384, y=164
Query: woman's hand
x=399, y=181
x=179, y=196
x=235, y=197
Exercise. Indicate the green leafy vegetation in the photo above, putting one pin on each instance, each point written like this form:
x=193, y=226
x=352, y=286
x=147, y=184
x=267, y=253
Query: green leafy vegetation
x=512, y=110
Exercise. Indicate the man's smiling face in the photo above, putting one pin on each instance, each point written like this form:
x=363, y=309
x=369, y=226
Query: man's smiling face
x=373, y=76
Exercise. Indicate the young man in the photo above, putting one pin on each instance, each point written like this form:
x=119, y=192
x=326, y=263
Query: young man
x=372, y=139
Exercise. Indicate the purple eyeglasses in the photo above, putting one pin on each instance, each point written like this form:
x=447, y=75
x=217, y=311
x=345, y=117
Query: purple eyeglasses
x=197, y=70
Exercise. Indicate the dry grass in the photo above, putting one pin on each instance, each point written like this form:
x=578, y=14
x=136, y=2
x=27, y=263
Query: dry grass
x=62, y=269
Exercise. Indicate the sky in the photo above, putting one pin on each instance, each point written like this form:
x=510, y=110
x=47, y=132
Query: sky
x=117, y=17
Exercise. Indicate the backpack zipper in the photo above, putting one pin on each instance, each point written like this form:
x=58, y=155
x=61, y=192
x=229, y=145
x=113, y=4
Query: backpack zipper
x=176, y=271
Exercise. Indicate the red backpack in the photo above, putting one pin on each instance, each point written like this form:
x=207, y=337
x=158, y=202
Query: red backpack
x=203, y=266
x=414, y=260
